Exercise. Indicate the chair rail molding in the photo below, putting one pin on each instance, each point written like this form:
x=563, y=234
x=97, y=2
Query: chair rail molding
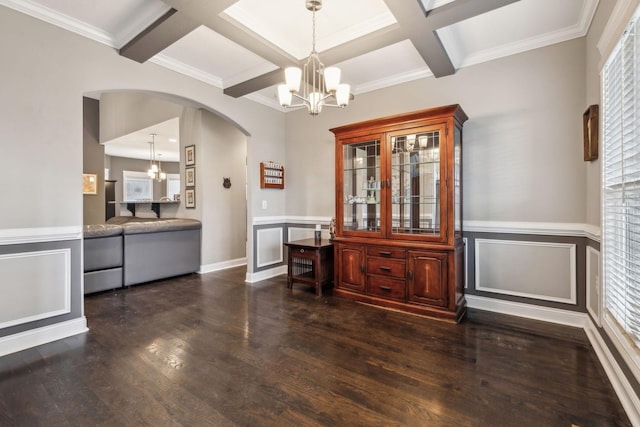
x=16, y=236
x=568, y=229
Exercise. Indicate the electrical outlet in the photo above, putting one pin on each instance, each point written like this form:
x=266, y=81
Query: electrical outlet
x=264, y=204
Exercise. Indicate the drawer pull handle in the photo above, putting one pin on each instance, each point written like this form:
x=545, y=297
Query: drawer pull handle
x=411, y=275
x=385, y=253
x=385, y=268
x=362, y=268
x=301, y=251
x=385, y=288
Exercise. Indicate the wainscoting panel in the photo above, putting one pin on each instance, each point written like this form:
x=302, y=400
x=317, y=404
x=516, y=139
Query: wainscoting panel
x=299, y=233
x=594, y=295
x=34, y=285
x=540, y=270
x=269, y=246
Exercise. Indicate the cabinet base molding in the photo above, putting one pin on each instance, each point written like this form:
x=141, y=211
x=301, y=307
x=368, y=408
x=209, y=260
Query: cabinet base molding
x=415, y=309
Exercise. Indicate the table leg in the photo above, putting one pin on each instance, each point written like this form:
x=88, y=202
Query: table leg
x=290, y=271
x=318, y=274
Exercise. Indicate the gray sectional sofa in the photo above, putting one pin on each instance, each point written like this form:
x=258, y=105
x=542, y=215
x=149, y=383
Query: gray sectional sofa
x=131, y=250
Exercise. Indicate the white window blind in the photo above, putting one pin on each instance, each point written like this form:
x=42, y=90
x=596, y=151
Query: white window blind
x=621, y=183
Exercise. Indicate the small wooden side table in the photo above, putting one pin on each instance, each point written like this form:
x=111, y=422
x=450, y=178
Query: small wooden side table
x=310, y=261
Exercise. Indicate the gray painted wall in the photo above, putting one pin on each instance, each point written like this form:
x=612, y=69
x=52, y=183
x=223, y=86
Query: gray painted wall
x=222, y=153
x=93, y=161
x=522, y=142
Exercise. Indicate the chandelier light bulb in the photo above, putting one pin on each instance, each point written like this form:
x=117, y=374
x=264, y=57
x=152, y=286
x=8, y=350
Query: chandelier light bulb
x=315, y=103
x=314, y=85
x=343, y=94
x=292, y=77
x=284, y=95
x=332, y=78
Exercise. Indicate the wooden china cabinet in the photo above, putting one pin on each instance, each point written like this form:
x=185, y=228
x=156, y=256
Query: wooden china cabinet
x=398, y=237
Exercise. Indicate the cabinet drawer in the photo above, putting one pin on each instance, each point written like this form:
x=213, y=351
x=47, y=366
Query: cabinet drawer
x=303, y=253
x=386, y=267
x=386, y=287
x=385, y=252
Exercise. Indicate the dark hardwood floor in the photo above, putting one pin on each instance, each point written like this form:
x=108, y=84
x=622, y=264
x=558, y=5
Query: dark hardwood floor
x=211, y=350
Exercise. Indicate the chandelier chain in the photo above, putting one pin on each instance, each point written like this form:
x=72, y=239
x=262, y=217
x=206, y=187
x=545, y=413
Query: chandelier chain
x=313, y=41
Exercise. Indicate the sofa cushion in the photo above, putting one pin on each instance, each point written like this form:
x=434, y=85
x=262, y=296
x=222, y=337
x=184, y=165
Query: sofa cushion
x=160, y=225
x=101, y=230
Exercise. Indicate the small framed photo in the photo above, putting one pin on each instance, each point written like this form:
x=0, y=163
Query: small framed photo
x=590, y=131
x=190, y=176
x=190, y=155
x=89, y=183
x=190, y=196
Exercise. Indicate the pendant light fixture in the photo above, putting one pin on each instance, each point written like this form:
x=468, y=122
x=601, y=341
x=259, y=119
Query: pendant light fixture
x=320, y=86
x=155, y=169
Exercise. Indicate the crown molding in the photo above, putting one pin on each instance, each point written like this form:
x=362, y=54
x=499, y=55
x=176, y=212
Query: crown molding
x=187, y=70
x=244, y=18
x=268, y=102
x=580, y=29
x=53, y=17
x=615, y=25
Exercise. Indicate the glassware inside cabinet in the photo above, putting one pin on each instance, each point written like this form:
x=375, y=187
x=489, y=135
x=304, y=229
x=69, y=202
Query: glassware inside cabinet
x=361, y=186
x=415, y=183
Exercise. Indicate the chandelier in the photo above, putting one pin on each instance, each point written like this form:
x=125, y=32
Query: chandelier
x=320, y=86
x=155, y=169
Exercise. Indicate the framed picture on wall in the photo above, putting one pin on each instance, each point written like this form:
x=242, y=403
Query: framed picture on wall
x=89, y=183
x=590, y=131
x=190, y=155
x=190, y=176
x=190, y=198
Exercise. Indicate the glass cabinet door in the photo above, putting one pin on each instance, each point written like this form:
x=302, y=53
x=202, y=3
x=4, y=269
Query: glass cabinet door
x=362, y=186
x=457, y=179
x=415, y=183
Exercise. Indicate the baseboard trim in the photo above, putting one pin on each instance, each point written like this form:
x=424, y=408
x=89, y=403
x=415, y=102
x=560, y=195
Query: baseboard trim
x=46, y=334
x=546, y=314
x=628, y=398
x=217, y=266
x=265, y=274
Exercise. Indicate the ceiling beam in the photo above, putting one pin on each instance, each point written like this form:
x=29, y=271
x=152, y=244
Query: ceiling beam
x=368, y=43
x=421, y=26
x=255, y=84
x=166, y=30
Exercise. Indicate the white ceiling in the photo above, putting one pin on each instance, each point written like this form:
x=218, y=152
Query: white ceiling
x=266, y=31
x=136, y=144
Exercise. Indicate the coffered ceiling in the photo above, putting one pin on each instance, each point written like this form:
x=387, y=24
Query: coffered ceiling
x=241, y=46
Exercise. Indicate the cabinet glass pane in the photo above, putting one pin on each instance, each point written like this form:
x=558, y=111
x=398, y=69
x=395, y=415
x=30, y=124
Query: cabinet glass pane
x=415, y=183
x=361, y=186
x=457, y=171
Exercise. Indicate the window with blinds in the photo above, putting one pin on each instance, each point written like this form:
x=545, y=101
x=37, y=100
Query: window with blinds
x=621, y=183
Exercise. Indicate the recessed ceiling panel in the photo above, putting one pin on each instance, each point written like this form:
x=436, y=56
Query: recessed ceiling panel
x=520, y=26
x=402, y=63
x=384, y=67
x=288, y=24
x=210, y=53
